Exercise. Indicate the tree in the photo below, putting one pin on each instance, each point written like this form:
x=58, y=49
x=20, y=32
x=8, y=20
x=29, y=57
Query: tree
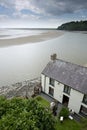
x=25, y=114
x=74, y=26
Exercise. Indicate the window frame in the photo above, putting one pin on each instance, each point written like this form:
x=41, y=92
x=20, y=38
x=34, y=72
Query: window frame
x=83, y=110
x=85, y=99
x=67, y=89
x=51, y=91
x=51, y=82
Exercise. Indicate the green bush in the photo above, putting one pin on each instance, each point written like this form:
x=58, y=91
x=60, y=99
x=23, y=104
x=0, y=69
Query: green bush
x=21, y=114
x=64, y=112
x=39, y=98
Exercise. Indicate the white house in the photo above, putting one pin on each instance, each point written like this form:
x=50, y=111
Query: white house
x=67, y=83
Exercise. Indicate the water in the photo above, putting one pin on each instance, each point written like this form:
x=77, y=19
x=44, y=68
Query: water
x=23, y=62
x=10, y=33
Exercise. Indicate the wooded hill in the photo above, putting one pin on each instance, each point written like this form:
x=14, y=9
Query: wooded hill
x=74, y=26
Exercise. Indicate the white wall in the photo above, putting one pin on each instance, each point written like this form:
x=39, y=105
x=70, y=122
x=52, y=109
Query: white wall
x=75, y=97
x=47, y=85
x=58, y=91
x=42, y=81
x=58, y=88
x=75, y=100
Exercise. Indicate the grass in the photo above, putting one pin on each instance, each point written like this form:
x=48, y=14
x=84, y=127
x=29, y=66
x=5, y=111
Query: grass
x=84, y=124
x=42, y=101
x=67, y=125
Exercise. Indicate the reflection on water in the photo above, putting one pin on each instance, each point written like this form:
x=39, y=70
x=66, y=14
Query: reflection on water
x=19, y=63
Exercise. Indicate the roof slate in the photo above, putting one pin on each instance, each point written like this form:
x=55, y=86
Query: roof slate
x=68, y=73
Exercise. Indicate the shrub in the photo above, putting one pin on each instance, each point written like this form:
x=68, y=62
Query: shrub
x=64, y=112
x=21, y=114
x=39, y=98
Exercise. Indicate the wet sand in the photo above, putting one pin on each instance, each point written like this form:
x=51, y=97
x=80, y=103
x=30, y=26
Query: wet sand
x=30, y=39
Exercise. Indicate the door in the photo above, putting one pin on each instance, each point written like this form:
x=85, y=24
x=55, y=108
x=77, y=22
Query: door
x=65, y=100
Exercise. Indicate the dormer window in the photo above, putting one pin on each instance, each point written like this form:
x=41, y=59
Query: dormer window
x=51, y=82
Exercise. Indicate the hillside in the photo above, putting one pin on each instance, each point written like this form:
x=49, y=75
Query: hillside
x=74, y=26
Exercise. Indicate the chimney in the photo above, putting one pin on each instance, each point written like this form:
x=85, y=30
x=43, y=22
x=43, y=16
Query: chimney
x=54, y=57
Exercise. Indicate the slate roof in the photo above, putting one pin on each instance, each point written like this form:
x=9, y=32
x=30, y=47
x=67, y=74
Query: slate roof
x=67, y=73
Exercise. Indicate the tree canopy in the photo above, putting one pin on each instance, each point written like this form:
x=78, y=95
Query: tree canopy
x=74, y=26
x=24, y=114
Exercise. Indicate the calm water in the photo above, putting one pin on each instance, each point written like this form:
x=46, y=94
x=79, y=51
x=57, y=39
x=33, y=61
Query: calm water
x=23, y=62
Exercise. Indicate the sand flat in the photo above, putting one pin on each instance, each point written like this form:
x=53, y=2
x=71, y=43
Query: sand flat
x=30, y=39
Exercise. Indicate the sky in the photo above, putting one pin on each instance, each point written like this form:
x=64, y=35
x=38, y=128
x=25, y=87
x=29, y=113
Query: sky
x=41, y=13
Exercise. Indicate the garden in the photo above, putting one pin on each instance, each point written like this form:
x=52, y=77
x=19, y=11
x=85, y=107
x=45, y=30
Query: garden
x=33, y=114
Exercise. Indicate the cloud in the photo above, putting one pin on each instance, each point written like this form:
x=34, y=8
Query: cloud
x=3, y=17
x=21, y=4
x=30, y=17
x=7, y=3
x=58, y=7
x=49, y=7
x=43, y=10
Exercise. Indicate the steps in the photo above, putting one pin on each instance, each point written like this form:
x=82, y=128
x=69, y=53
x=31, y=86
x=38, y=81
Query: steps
x=77, y=117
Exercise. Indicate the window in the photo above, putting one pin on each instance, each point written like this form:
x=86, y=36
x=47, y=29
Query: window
x=83, y=110
x=51, y=91
x=51, y=82
x=67, y=89
x=85, y=99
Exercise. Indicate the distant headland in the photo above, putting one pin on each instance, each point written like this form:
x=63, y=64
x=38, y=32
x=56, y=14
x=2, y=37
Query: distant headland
x=74, y=26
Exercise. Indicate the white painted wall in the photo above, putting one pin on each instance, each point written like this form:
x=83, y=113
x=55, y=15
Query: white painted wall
x=75, y=97
x=43, y=82
x=47, y=85
x=58, y=91
x=75, y=100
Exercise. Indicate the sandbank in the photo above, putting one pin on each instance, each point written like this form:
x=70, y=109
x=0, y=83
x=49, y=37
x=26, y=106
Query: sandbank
x=30, y=39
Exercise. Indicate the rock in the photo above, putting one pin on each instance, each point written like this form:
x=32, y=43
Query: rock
x=20, y=89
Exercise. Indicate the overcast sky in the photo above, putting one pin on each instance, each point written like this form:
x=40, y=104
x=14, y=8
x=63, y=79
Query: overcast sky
x=41, y=13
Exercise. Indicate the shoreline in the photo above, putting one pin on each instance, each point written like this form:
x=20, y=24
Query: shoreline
x=23, y=88
x=30, y=39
